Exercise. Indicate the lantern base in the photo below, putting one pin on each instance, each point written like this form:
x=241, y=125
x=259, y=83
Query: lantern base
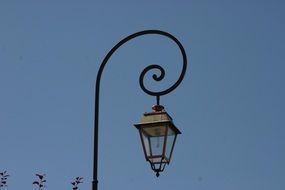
x=157, y=167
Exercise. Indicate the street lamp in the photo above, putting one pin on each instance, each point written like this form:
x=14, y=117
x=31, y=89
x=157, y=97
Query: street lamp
x=157, y=130
x=158, y=135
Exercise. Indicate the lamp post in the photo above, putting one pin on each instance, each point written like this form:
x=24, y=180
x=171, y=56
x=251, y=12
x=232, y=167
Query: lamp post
x=156, y=126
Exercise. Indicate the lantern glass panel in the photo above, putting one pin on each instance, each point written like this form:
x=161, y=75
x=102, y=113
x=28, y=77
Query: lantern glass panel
x=153, y=138
x=171, y=136
x=146, y=143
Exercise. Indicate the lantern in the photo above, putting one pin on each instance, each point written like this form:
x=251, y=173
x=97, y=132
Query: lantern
x=158, y=135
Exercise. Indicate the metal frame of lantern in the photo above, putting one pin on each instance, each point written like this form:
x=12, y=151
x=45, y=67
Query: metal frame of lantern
x=141, y=79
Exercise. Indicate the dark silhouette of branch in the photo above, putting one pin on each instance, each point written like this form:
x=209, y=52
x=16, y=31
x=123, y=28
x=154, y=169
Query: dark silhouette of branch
x=76, y=182
x=3, y=179
x=40, y=182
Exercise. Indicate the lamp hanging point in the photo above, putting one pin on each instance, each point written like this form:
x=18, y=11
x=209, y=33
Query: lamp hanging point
x=157, y=108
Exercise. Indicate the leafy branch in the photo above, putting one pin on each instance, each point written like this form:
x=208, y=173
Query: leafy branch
x=76, y=182
x=3, y=179
x=40, y=183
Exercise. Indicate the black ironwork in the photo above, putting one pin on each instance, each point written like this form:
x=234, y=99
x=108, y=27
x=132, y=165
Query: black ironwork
x=155, y=77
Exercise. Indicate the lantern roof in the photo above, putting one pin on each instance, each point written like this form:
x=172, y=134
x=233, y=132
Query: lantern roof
x=157, y=117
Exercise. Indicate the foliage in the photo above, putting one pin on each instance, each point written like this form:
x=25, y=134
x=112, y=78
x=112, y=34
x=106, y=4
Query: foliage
x=3, y=179
x=76, y=182
x=40, y=182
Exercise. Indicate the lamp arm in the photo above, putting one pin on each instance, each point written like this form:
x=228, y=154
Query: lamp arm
x=152, y=93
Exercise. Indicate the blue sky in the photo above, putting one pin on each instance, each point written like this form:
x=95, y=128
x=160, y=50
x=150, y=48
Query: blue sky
x=230, y=106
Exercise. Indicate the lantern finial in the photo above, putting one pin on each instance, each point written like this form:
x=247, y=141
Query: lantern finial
x=157, y=174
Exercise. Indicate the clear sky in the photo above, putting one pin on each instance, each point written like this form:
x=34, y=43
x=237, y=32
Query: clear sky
x=230, y=106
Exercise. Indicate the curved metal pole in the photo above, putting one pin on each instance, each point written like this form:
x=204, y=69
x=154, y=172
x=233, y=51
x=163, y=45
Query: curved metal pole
x=155, y=77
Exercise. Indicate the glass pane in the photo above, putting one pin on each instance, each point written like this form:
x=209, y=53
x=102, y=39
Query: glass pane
x=156, y=144
x=169, y=145
x=155, y=137
x=146, y=144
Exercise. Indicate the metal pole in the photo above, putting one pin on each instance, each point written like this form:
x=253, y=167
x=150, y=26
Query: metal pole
x=156, y=94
